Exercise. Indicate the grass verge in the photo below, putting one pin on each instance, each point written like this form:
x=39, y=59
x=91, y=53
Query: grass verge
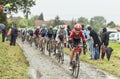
x=112, y=66
x=13, y=64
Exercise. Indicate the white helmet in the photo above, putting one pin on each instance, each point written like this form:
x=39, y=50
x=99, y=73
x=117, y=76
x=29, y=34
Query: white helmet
x=62, y=27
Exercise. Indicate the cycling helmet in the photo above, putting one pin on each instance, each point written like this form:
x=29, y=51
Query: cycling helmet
x=77, y=27
x=43, y=25
x=62, y=27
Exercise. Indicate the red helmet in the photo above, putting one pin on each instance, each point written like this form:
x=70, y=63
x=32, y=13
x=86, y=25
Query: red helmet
x=77, y=27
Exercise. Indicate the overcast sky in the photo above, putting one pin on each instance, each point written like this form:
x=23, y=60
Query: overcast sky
x=68, y=9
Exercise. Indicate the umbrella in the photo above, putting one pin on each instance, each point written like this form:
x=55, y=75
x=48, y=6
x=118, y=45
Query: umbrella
x=108, y=52
x=2, y=26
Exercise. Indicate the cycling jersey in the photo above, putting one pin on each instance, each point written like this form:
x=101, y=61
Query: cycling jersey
x=36, y=33
x=62, y=34
x=74, y=36
x=76, y=39
x=49, y=33
x=31, y=32
x=42, y=32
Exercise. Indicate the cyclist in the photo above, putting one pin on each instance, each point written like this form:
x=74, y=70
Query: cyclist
x=43, y=30
x=23, y=34
x=31, y=33
x=36, y=34
x=75, y=39
x=68, y=31
x=55, y=31
x=42, y=33
x=49, y=34
x=61, y=35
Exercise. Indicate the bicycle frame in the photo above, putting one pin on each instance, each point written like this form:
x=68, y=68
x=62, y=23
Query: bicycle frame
x=43, y=44
x=50, y=46
x=61, y=53
x=76, y=61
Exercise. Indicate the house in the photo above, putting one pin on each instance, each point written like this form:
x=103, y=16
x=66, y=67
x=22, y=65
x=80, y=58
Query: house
x=40, y=22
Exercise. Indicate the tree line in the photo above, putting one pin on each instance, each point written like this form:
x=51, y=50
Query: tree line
x=96, y=22
x=25, y=5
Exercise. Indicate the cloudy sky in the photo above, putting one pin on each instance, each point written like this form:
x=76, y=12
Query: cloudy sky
x=68, y=9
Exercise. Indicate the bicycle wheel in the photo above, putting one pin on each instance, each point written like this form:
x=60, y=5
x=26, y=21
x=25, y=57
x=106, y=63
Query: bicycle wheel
x=43, y=46
x=31, y=40
x=77, y=66
x=49, y=47
x=73, y=67
x=62, y=55
x=59, y=52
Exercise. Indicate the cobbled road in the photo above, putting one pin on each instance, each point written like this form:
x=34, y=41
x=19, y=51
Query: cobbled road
x=48, y=68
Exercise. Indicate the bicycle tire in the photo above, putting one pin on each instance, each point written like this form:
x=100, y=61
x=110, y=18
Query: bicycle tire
x=77, y=66
x=73, y=67
x=43, y=46
x=49, y=48
x=59, y=52
x=31, y=40
x=62, y=56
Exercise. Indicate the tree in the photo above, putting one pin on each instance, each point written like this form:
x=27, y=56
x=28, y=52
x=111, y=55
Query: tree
x=111, y=24
x=57, y=21
x=72, y=23
x=83, y=20
x=41, y=17
x=98, y=20
x=23, y=5
x=23, y=23
x=3, y=18
x=31, y=21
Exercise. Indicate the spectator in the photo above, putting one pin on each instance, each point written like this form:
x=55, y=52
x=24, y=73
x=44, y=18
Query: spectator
x=105, y=41
x=68, y=31
x=84, y=31
x=3, y=34
x=90, y=42
x=14, y=34
x=96, y=44
x=85, y=35
x=8, y=38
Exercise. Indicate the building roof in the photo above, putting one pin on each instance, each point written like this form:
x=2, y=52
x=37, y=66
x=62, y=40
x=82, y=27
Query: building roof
x=40, y=22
